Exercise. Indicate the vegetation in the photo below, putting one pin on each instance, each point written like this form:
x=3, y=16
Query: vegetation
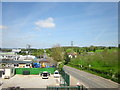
x=57, y=53
x=102, y=62
x=99, y=60
x=60, y=66
x=5, y=50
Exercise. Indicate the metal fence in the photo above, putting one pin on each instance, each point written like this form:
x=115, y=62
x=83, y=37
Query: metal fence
x=66, y=78
x=66, y=83
x=66, y=88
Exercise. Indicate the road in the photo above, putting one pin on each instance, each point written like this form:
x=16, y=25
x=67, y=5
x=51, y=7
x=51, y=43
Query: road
x=90, y=80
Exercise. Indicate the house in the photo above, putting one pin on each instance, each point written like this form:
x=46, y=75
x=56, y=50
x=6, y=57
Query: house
x=72, y=55
x=23, y=64
x=26, y=57
x=17, y=64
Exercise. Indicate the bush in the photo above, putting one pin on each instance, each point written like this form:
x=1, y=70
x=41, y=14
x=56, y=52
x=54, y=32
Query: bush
x=60, y=66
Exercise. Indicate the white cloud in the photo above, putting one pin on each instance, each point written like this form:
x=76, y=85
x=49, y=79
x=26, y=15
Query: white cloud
x=47, y=23
x=3, y=27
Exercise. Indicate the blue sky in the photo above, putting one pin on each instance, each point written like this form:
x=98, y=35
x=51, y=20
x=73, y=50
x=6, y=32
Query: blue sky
x=43, y=25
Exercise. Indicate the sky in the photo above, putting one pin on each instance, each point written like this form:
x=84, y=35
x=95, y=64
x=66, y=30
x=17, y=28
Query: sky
x=45, y=24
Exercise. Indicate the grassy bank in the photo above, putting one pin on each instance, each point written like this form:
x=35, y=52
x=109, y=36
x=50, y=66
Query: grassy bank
x=103, y=63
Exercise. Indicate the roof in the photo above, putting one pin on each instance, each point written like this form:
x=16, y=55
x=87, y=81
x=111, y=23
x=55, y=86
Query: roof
x=10, y=61
x=11, y=53
x=72, y=53
x=42, y=60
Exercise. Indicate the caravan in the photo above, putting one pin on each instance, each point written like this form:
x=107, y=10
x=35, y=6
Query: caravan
x=8, y=73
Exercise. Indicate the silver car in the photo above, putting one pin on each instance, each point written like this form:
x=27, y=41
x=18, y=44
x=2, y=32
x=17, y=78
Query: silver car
x=56, y=74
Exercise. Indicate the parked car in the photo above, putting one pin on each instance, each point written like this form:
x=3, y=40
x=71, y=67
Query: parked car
x=56, y=74
x=45, y=75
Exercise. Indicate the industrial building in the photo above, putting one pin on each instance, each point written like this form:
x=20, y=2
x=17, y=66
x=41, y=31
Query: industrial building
x=15, y=56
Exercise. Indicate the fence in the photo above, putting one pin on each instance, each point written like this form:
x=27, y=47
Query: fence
x=66, y=88
x=34, y=70
x=66, y=78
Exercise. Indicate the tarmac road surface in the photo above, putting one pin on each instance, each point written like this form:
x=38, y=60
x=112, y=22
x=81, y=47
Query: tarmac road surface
x=90, y=80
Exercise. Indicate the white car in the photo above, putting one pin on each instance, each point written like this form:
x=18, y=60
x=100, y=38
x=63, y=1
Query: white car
x=45, y=75
x=56, y=74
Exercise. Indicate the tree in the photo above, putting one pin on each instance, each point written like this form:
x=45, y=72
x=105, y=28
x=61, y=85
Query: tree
x=67, y=59
x=92, y=48
x=69, y=50
x=57, y=53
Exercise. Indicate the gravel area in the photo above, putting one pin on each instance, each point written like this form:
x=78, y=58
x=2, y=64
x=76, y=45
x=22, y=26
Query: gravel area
x=30, y=81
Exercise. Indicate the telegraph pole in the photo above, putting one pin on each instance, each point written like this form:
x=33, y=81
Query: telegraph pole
x=72, y=43
x=28, y=47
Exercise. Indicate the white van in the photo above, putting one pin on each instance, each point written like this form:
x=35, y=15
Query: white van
x=45, y=75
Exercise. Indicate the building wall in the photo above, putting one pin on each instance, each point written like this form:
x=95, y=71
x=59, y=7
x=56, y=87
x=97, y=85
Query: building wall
x=24, y=66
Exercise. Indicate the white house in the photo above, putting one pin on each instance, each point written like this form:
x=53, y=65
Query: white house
x=8, y=56
x=26, y=57
x=72, y=55
x=16, y=50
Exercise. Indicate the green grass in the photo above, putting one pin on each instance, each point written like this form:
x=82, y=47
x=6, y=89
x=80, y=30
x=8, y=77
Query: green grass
x=107, y=76
x=101, y=62
x=109, y=50
x=99, y=50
